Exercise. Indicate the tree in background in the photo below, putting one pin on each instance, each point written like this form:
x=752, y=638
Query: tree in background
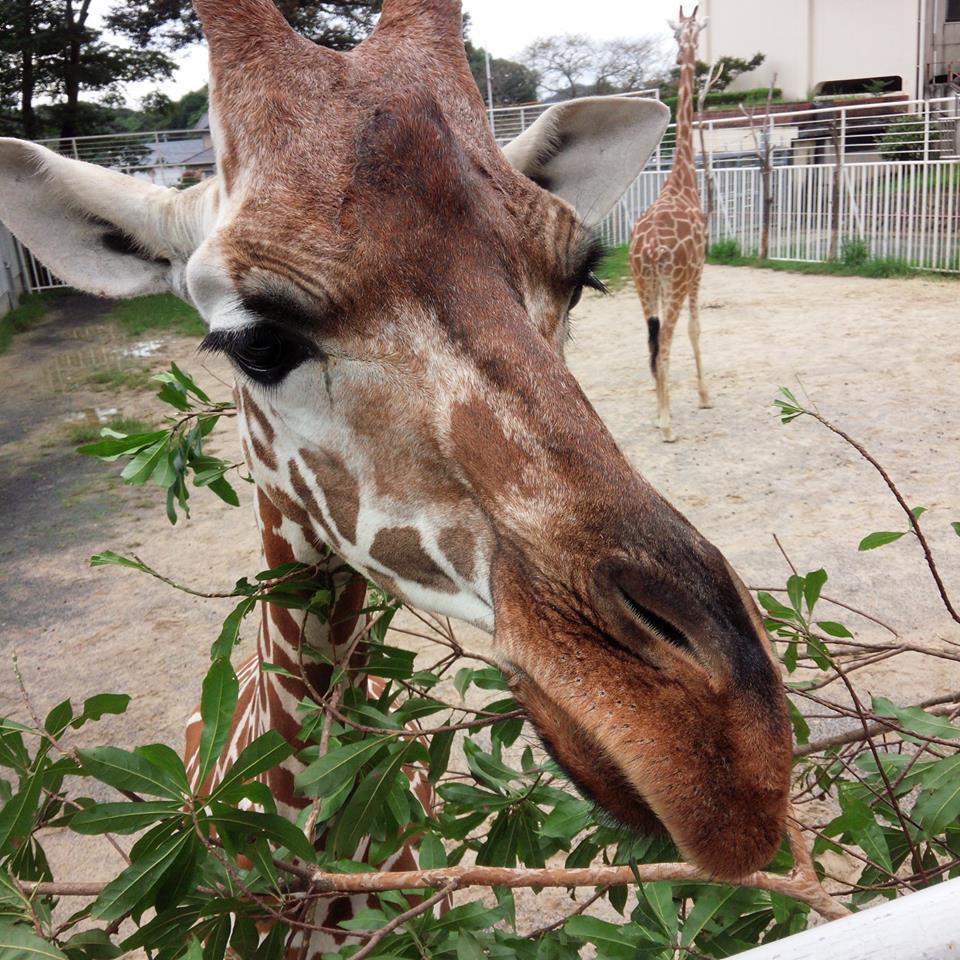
x=512, y=82
x=49, y=49
x=573, y=65
x=730, y=68
x=173, y=24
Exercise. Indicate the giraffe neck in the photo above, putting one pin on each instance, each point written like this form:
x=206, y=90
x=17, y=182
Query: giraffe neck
x=683, y=175
x=288, y=640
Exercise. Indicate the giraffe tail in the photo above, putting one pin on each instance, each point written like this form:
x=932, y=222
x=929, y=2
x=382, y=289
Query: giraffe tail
x=653, y=339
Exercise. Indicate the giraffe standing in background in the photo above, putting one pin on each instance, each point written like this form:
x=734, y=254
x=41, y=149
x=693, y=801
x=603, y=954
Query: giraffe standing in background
x=669, y=242
x=393, y=291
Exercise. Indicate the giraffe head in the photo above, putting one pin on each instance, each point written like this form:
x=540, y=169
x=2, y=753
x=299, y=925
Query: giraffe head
x=686, y=31
x=394, y=291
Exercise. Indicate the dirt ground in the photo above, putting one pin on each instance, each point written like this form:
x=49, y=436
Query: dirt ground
x=879, y=357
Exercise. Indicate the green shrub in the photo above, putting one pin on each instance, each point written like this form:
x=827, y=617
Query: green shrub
x=725, y=251
x=855, y=252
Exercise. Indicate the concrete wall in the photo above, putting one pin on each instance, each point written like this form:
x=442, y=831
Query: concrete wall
x=809, y=42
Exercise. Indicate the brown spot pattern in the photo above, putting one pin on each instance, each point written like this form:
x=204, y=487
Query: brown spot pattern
x=400, y=551
x=340, y=487
x=459, y=547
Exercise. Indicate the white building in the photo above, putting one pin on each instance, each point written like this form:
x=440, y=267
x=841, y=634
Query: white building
x=831, y=47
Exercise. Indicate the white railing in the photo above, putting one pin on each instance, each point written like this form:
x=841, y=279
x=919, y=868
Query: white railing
x=510, y=122
x=909, y=210
x=158, y=155
x=884, y=128
x=899, y=179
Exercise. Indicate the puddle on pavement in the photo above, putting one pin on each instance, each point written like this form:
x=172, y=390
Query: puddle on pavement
x=95, y=416
x=71, y=367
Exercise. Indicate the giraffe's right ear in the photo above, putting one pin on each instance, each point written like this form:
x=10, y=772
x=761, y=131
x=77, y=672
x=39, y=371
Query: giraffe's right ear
x=589, y=151
x=96, y=229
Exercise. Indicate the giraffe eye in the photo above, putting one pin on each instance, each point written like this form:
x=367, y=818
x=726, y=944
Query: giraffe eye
x=264, y=352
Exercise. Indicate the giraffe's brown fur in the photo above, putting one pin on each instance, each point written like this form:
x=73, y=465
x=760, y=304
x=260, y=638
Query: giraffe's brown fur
x=669, y=243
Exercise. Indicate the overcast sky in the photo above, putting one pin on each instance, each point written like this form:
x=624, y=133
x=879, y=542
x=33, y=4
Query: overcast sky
x=504, y=27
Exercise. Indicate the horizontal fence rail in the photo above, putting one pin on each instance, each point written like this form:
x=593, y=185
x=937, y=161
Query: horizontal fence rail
x=509, y=122
x=884, y=172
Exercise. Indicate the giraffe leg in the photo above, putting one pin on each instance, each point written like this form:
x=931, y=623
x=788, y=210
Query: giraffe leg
x=705, y=402
x=662, y=368
x=647, y=286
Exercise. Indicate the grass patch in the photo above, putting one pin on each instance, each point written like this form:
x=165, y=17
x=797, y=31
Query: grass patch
x=614, y=269
x=855, y=261
x=117, y=378
x=81, y=433
x=157, y=313
x=30, y=310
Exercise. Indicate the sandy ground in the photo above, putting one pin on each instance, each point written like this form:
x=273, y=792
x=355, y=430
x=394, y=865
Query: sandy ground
x=879, y=357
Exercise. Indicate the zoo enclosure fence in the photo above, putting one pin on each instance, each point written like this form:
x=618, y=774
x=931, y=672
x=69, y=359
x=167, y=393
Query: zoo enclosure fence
x=883, y=171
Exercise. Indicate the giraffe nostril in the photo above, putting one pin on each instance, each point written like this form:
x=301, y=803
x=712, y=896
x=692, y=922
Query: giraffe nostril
x=655, y=623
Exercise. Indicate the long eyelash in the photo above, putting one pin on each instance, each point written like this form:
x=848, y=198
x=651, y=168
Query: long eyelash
x=594, y=254
x=220, y=341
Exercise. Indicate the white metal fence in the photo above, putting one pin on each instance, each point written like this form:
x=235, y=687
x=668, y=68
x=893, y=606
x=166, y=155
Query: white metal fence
x=13, y=280
x=888, y=128
x=906, y=210
x=509, y=122
x=898, y=170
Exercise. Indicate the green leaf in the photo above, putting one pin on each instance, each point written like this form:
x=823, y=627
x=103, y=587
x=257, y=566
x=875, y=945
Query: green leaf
x=58, y=718
x=101, y=704
x=139, y=470
x=567, y=819
x=126, y=891
x=218, y=701
x=707, y=905
x=217, y=939
x=801, y=729
x=129, y=771
x=264, y=753
x=16, y=817
x=19, y=942
x=774, y=607
x=370, y=796
x=659, y=895
x=251, y=823
x=812, y=585
x=224, y=644
x=833, y=629
x=956, y=527
x=468, y=947
x=937, y=809
x=168, y=760
x=918, y=512
x=432, y=856
x=879, y=539
x=124, y=817
x=600, y=932
x=795, y=592
x=329, y=772
x=439, y=751
x=916, y=720
x=116, y=445
x=221, y=487
x=108, y=557
x=92, y=945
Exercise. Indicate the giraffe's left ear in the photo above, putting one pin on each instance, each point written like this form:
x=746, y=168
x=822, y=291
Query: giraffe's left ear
x=97, y=229
x=589, y=151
